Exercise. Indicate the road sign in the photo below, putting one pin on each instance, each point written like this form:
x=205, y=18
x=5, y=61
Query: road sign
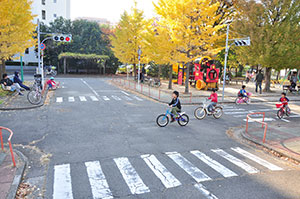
x=242, y=42
x=42, y=46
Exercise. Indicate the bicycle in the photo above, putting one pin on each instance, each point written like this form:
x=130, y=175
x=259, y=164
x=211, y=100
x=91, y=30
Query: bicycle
x=241, y=99
x=201, y=112
x=35, y=94
x=50, y=70
x=163, y=119
x=283, y=110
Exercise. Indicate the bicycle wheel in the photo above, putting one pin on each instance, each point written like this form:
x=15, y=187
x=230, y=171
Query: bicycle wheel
x=183, y=120
x=248, y=101
x=34, y=97
x=200, y=113
x=280, y=114
x=162, y=120
x=53, y=73
x=237, y=100
x=288, y=111
x=218, y=112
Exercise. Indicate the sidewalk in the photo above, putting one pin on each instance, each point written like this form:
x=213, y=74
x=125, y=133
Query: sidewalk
x=281, y=138
x=162, y=94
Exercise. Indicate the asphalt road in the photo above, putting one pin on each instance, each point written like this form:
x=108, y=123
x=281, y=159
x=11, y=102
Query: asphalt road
x=103, y=142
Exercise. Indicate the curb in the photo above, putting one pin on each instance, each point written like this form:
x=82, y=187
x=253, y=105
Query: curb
x=268, y=147
x=28, y=107
x=18, y=176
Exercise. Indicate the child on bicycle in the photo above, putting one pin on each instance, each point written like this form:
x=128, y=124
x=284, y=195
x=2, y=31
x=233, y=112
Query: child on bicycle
x=214, y=100
x=175, y=104
x=51, y=83
x=243, y=92
x=284, y=100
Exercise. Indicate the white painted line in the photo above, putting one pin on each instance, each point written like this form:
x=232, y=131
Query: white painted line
x=131, y=177
x=59, y=99
x=62, y=87
x=82, y=99
x=125, y=93
x=235, y=109
x=62, y=187
x=116, y=98
x=257, y=159
x=99, y=186
x=214, y=164
x=71, y=99
x=238, y=116
x=263, y=110
x=285, y=120
x=105, y=98
x=294, y=115
x=90, y=87
x=127, y=98
x=204, y=191
x=260, y=120
x=137, y=98
x=188, y=167
x=235, y=161
x=94, y=98
x=236, y=113
x=160, y=171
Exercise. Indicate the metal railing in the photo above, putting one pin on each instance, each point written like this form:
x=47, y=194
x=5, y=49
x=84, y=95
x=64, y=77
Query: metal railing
x=9, y=143
x=263, y=123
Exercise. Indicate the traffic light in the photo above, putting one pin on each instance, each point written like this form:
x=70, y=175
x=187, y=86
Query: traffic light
x=242, y=42
x=62, y=38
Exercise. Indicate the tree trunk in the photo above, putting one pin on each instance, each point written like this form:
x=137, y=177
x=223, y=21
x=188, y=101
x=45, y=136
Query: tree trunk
x=187, y=82
x=159, y=72
x=170, y=76
x=278, y=75
x=268, y=79
x=65, y=65
x=134, y=71
x=2, y=68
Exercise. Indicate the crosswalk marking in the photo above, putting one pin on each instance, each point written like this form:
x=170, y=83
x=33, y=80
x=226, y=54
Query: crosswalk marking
x=116, y=97
x=188, y=167
x=214, y=164
x=295, y=116
x=257, y=159
x=233, y=109
x=236, y=113
x=59, y=99
x=125, y=93
x=235, y=161
x=205, y=192
x=82, y=99
x=105, y=98
x=94, y=98
x=131, y=177
x=127, y=98
x=71, y=99
x=160, y=171
x=260, y=119
x=137, y=98
x=62, y=187
x=100, y=188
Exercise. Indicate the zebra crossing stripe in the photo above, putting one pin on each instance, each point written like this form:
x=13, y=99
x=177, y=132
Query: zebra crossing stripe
x=235, y=161
x=234, y=109
x=99, y=186
x=188, y=167
x=204, y=191
x=125, y=93
x=71, y=99
x=127, y=98
x=59, y=99
x=116, y=97
x=105, y=98
x=137, y=98
x=94, y=98
x=82, y=98
x=131, y=177
x=236, y=113
x=62, y=187
x=257, y=159
x=214, y=164
x=160, y=171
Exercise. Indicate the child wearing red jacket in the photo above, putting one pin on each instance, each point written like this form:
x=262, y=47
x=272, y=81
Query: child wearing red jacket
x=214, y=100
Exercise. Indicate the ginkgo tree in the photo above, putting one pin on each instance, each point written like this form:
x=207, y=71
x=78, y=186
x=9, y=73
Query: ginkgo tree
x=16, y=29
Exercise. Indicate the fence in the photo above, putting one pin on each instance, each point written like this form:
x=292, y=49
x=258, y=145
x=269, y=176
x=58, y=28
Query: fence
x=9, y=143
x=263, y=123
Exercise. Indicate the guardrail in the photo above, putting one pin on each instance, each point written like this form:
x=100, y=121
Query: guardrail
x=9, y=143
x=264, y=124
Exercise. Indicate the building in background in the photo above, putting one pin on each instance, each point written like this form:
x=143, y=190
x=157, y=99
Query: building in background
x=46, y=11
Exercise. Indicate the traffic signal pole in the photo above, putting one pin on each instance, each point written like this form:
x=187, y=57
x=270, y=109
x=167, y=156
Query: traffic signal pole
x=225, y=62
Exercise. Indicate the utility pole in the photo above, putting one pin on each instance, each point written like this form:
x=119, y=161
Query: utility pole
x=225, y=62
x=139, y=71
x=39, y=48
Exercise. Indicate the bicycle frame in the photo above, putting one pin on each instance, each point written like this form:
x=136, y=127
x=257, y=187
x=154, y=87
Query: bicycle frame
x=168, y=112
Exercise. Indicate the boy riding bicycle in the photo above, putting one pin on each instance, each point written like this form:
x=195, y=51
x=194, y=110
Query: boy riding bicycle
x=175, y=104
x=243, y=92
x=285, y=101
x=214, y=100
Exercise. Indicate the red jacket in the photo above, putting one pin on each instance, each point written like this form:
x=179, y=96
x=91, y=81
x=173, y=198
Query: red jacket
x=214, y=97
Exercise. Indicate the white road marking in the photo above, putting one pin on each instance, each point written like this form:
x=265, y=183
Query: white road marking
x=125, y=93
x=263, y=110
x=188, y=167
x=62, y=87
x=131, y=177
x=137, y=98
x=127, y=98
x=285, y=120
x=204, y=191
x=105, y=98
x=236, y=113
x=94, y=98
x=260, y=120
x=214, y=164
x=160, y=171
x=235, y=161
x=71, y=99
x=62, y=187
x=59, y=99
x=90, y=87
x=235, y=109
x=257, y=159
x=99, y=186
x=294, y=115
x=239, y=116
x=82, y=99
x=116, y=97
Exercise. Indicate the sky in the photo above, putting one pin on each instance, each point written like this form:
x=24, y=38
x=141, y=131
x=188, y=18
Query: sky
x=109, y=9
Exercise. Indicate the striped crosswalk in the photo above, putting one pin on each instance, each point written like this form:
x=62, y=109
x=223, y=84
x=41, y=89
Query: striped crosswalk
x=183, y=164
x=93, y=98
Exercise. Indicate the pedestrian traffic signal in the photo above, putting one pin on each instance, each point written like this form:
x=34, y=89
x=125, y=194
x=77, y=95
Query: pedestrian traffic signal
x=242, y=42
x=62, y=38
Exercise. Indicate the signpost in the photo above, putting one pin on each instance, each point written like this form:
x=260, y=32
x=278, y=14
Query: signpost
x=139, y=71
